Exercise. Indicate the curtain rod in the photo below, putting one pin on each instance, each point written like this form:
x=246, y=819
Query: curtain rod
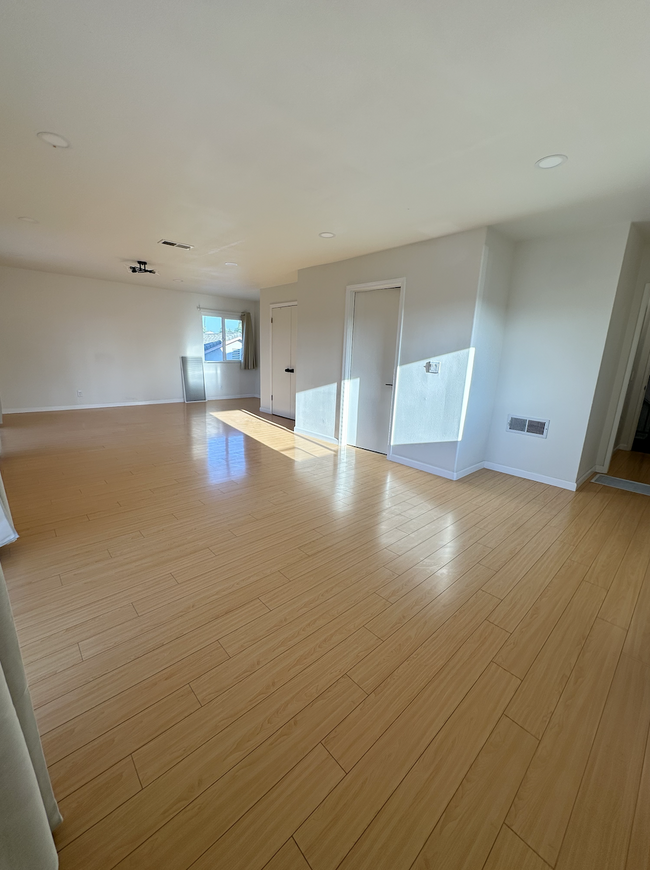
x=221, y=310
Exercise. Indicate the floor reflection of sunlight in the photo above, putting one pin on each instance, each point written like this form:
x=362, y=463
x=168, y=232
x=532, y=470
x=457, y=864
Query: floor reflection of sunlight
x=226, y=458
x=284, y=441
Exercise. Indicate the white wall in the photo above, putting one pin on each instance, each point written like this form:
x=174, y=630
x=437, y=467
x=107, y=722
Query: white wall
x=487, y=340
x=607, y=395
x=636, y=388
x=442, y=277
x=541, y=317
x=115, y=342
x=559, y=310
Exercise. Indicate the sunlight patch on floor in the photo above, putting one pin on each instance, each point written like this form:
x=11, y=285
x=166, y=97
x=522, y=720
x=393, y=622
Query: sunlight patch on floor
x=284, y=441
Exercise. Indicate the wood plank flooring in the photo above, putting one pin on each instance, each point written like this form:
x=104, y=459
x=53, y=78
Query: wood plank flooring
x=248, y=649
x=631, y=466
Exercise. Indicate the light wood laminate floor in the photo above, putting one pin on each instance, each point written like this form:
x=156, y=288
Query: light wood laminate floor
x=631, y=466
x=249, y=650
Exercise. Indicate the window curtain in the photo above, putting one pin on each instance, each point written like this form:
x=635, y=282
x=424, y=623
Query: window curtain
x=28, y=809
x=7, y=531
x=249, y=360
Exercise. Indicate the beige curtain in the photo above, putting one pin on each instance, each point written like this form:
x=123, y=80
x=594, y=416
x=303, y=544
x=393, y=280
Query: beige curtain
x=28, y=810
x=249, y=360
x=7, y=531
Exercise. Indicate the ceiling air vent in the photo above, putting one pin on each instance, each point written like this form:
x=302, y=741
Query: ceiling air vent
x=175, y=245
x=526, y=426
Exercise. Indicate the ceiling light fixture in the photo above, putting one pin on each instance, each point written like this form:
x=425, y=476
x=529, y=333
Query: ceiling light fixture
x=551, y=161
x=28, y=220
x=231, y=264
x=327, y=235
x=54, y=140
x=141, y=268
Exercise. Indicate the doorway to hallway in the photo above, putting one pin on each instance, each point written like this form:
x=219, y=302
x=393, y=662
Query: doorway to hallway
x=641, y=442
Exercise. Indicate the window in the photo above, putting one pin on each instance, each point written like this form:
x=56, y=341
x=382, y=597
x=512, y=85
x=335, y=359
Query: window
x=222, y=338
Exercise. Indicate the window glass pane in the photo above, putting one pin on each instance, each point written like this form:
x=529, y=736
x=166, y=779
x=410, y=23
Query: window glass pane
x=212, y=339
x=233, y=339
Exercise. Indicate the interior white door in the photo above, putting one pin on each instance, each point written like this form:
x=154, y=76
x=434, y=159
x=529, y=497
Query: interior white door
x=284, y=330
x=374, y=340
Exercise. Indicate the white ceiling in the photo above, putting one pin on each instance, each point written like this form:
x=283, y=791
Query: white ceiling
x=247, y=128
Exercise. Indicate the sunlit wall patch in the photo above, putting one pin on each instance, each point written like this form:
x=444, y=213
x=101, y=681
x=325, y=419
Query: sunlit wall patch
x=431, y=408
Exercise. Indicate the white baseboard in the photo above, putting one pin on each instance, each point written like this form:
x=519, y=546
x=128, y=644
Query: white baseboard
x=531, y=475
x=469, y=470
x=178, y=401
x=265, y=411
x=597, y=469
x=430, y=469
x=90, y=407
x=326, y=438
x=504, y=469
x=236, y=396
x=584, y=477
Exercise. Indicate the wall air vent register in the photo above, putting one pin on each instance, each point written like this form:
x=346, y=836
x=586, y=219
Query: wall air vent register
x=171, y=244
x=527, y=426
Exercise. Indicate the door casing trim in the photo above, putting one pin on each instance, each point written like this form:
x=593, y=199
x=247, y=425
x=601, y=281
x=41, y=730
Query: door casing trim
x=350, y=290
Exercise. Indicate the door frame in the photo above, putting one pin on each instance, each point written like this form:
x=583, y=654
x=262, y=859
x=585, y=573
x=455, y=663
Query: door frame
x=350, y=290
x=631, y=374
x=293, y=303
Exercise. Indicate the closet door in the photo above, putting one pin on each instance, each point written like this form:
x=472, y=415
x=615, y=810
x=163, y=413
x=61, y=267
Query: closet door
x=374, y=338
x=284, y=326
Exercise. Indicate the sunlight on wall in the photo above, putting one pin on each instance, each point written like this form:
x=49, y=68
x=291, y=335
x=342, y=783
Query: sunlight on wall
x=431, y=408
x=350, y=410
x=284, y=441
x=316, y=410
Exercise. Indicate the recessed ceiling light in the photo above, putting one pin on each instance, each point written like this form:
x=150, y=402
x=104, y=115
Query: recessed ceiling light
x=551, y=161
x=327, y=235
x=231, y=264
x=54, y=140
x=28, y=220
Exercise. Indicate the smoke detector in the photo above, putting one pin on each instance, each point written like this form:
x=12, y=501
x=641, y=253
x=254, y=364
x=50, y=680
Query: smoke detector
x=141, y=268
